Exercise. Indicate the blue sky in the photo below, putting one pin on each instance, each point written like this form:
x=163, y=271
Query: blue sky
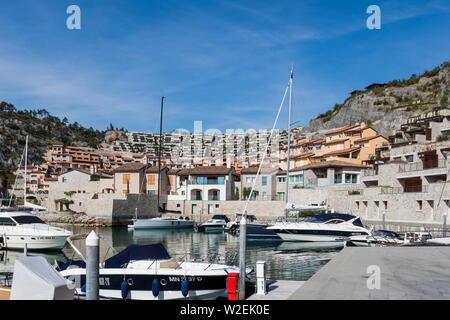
x=220, y=61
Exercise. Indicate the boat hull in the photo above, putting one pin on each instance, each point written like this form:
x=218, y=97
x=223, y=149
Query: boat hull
x=139, y=286
x=34, y=242
x=162, y=224
x=213, y=228
x=314, y=235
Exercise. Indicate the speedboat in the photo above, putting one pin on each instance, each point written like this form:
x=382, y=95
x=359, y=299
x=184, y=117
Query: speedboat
x=163, y=223
x=216, y=224
x=147, y=272
x=379, y=238
x=327, y=227
x=18, y=226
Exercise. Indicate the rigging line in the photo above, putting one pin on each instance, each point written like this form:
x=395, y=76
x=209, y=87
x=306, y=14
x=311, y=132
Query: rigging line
x=265, y=152
x=15, y=181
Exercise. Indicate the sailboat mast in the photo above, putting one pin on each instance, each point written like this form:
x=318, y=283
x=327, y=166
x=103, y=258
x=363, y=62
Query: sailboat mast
x=25, y=173
x=159, y=151
x=288, y=159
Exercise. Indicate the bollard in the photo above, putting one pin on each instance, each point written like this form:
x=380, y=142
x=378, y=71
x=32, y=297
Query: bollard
x=92, y=266
x=232, y=285
x=261, y=277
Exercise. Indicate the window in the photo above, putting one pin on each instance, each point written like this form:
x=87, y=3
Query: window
x=357, y=205
x=264, y=181
x=338, y=178
x=6, y=221
x=264, y=195
x=410, y=158
x=27, y=220
x=385, y=205
x=210, y=208
x=419, y=205
x=151, y=179
x=282, y=179
x=351, y=178
x=250, y=179
x=280, y=196
x=194, y=208
x=126, y=178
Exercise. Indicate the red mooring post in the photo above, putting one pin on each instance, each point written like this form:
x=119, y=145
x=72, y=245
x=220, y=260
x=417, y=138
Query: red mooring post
x=232, y=284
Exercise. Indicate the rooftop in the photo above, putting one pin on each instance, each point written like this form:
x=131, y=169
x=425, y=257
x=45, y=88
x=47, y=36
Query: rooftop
x=130, y=167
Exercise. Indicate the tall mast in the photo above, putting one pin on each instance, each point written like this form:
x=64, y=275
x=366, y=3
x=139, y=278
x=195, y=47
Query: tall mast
x=25, y=174
x=160, y=147
x=288, y=162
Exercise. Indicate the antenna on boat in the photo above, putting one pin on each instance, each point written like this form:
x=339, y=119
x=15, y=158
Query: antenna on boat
x=159, y=151
x=243, y=222
x=288, y=162
x=25, y=174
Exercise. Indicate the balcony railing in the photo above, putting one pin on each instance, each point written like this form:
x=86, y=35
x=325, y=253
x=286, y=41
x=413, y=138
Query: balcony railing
x=423, y=165
x=407, y=189
x=369, y=172
x=207, y=182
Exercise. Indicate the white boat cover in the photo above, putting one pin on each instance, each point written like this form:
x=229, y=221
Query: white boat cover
x=293, y=206
x=35, y=279
x=34, y=206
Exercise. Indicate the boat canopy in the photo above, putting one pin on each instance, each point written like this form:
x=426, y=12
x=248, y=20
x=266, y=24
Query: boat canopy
x=137, y=252
x=221, y=217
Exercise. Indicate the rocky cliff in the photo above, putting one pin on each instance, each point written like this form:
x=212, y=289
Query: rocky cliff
x=386, y=107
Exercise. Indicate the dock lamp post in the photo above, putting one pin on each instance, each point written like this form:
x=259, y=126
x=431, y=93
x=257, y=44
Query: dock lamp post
x=92, y=266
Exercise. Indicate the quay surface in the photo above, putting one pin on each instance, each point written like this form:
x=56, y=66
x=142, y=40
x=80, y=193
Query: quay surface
x=278, y=290
x=406, y=273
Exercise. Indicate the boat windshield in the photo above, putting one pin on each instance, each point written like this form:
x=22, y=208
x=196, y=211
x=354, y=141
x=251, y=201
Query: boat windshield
x=21, y=220
x=386, y=233
x=324, y=217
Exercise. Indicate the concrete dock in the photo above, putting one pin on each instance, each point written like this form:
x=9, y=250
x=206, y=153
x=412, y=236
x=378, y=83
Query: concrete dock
x=404, y=273
x=278, y=290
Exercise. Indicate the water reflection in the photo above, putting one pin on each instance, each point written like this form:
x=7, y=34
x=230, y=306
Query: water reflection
x=284, y=260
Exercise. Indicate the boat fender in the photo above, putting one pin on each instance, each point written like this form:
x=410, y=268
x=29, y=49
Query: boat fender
x=83, y=288
x=124, y=289
x=184, y=287
x=155, y=287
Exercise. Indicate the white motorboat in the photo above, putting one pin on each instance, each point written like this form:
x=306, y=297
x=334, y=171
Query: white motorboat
x=163, y=223
x=216, y=224
x=147, y=272
x=321, y=227
x=19, y=227
x=379, y=238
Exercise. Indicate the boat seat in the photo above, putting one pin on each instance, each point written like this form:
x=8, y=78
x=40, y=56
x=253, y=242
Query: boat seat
x=171, y=264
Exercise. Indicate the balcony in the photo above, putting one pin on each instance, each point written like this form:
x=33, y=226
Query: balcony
x=208, y=181
x=369, y=172
x=424, y=165
x=407, y=189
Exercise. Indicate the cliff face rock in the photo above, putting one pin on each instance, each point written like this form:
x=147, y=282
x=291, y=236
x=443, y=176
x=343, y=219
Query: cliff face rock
x=386, y=108
x=115, y=135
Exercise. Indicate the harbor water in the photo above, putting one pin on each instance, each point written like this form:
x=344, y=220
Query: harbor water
x=284, y=260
